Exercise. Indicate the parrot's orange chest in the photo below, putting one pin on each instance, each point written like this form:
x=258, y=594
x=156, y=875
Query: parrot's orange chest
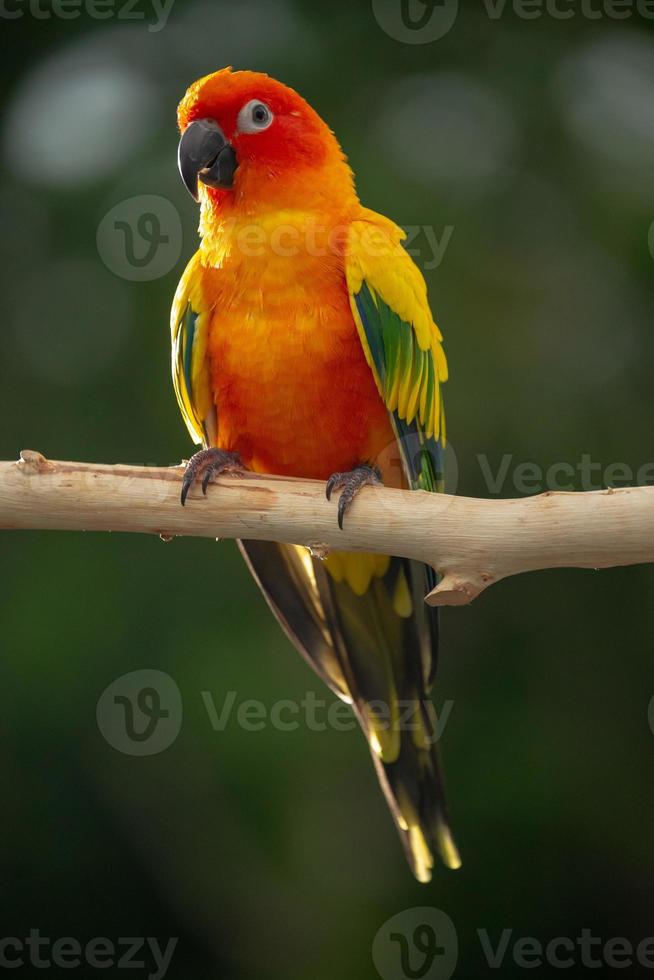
x=293, y=392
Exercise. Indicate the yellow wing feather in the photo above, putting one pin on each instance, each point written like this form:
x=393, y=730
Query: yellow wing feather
x=189, y=328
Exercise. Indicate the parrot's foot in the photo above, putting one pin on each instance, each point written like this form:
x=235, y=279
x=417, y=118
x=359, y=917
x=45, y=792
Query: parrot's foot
x=350, y=483
x=209, y=463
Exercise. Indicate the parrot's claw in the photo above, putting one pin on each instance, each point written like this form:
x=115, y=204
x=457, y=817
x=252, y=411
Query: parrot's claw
x=208, y=464
x=349, y=484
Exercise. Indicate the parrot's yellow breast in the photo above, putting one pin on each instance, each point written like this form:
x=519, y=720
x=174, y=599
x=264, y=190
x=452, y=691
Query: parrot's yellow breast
x=293, y=392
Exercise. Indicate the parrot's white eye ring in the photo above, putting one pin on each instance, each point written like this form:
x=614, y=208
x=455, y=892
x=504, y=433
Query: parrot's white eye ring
x=254, y=117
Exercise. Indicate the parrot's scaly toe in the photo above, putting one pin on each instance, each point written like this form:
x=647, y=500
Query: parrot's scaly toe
x=350, y=484
x=208, y=464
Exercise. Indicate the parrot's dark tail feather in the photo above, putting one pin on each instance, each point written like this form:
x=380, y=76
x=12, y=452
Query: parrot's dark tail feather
x=414, y=791
x=376, y=650
x=388, y=655
x=281, y=572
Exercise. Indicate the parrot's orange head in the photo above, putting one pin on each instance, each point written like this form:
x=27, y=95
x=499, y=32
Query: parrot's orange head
x=249, y=138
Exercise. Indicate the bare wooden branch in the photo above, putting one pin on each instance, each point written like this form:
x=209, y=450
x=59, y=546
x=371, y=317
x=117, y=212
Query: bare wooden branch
x=470, y=542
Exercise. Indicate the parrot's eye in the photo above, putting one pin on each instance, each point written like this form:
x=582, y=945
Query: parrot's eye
x=254, y=117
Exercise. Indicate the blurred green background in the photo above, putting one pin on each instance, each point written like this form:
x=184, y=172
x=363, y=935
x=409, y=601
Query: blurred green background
x=270, y=853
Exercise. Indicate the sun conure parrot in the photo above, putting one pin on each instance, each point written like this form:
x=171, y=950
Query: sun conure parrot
x=303, y=345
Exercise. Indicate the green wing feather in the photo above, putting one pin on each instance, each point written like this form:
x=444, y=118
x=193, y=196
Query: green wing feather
x=396, y=355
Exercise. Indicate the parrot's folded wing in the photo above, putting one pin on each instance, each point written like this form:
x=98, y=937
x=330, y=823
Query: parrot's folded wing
x=402, y=344
x=189, y=328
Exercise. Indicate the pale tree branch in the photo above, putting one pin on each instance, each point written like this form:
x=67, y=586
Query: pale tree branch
x=470, y=542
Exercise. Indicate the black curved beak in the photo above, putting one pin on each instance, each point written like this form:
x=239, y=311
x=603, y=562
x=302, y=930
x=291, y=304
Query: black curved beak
x=205, y=154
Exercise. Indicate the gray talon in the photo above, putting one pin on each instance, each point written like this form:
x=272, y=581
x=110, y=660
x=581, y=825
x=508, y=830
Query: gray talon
x=208, y=463
x=350, y=484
